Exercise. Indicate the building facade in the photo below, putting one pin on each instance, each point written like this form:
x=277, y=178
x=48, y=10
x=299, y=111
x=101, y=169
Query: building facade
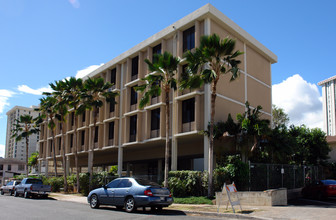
x=17, y=149
x=329, y=105
x=134, y=138
x=10, y=167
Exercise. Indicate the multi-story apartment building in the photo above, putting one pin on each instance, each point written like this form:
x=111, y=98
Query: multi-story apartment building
x=134, y=138
x=10, y=167
x=329, y=105
x=17, y=149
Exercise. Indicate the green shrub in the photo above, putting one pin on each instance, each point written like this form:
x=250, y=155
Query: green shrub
x=187, y=183
x=56, y=183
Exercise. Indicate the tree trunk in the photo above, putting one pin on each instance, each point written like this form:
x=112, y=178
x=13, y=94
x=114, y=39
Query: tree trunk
x=53, y=148
x=64, y=159
x=167, y=142
x=27, y=143
x=212, y=121
x=92, y=146
x=76, y=149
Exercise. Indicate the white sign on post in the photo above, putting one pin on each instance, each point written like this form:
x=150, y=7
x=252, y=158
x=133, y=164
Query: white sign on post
x=231, y=192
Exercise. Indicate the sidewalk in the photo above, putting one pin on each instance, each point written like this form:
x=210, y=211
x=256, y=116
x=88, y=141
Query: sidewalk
x=249, y=212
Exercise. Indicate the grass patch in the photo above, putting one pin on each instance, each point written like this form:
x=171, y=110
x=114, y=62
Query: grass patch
x=193, y=200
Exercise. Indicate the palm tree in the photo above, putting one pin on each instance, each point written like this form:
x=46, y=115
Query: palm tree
x=94, y=93
x=213, y=58
x=72, y=93
x=61, y=108
x=164, y=67
x=24, y=127
x=47, y=110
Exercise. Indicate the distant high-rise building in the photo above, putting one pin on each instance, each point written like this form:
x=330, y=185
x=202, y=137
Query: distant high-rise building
x=329, y=105
x=17, y=149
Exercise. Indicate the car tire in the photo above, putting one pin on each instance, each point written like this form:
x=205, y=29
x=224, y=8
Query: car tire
x=16, y=193
x=1, y=192
x=26, y=194
x=130, y=204
x=94, y=202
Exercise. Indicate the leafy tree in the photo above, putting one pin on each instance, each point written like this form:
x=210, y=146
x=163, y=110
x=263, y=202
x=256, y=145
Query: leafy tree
x=33, y=160
x=213, y=58
x=165, y=67
x=72, y=94
x=47, y=110
x=252, y=129
x=94, y=93
x=25, y=126
x=279, y=117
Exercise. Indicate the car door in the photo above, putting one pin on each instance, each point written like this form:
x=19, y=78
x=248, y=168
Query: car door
x=107, y=195
x=121, y=191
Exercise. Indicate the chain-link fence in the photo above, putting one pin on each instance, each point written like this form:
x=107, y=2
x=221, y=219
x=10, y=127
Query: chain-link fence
x=272, y=176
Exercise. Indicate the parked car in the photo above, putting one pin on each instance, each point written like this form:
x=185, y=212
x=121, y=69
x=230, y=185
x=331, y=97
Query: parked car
x=9, y=187
x=320, y=189
x=131, y=193
x=31, y=186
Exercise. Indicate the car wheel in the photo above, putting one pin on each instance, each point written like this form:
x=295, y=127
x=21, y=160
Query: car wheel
x=130, y=204
x=1, y=192
x=16, y=193
x=94, y=202
x=26, y=194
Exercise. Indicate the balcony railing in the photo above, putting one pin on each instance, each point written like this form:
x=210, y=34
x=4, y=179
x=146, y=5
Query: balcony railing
x=155, y=133
x=190, y=126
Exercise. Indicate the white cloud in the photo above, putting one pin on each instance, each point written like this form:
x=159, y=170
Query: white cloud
x=27, y=89
x=4, y=96
x=74, y=3
x=87, y=70
x=2, y=150
x=301, y=100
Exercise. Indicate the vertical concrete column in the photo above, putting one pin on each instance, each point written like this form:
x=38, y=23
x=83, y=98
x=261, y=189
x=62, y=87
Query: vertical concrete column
x=207, y=107
x=198, y=111
x=149, y=56
x=174, y=155
x=179, y=44
x=67, y=165
x=128, y=70
x=197, y=33
x=163, y=46
x=128, y=170
x=159, y=170
x=140, y=65
x=120, y=149
x=332, y=107
x=46, y=165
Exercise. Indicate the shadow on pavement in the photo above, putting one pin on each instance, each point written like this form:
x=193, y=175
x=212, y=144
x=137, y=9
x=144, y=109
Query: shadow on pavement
x=169, y=212
x=310, y=202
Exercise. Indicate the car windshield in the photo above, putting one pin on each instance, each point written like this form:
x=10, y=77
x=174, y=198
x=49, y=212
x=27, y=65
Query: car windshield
x=146, y=182
x=329, y=182
x=34, y=181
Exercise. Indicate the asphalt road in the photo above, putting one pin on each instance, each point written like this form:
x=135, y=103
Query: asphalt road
x=20, y=208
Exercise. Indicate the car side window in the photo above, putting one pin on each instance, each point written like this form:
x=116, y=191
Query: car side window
x=113, y=184
x=10, y=183
x=125, y=183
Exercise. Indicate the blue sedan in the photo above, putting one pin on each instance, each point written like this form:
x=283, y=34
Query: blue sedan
x=131, y=193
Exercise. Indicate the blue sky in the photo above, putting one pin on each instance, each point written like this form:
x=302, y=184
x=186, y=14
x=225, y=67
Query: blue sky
x=42, y=41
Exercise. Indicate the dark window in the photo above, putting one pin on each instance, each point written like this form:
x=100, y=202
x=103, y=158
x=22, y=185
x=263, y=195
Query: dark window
x=156, y=50
x=59, y=144
x=113, y=76
x=72, y=118
x=112, y=106
x=1, y=167
x=83, y=117
x=9, y=167
x=21, y=167
x=71, y=140
x=189, y=39
x=155, y=119
x=41, y=148
x=111, y=130
x=60, y=125
x=83, y=138
x=51, y=148
x=133, y=129
x=113, y=184
x=135, y=67
x=188, y=110
x=96, y=134
x=134, y=96
x=125, y=183
x=144, y=182
x=34, y=181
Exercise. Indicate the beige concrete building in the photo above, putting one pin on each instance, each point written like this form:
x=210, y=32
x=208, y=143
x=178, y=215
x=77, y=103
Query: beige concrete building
x=10, y=167
x=133, y=138
x=17, y=149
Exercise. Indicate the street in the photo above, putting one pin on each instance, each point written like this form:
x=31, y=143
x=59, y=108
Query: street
x=20, y=208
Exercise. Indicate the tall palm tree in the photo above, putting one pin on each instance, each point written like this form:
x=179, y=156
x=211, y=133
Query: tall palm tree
x=47, y=110
x=94, y=93
x=213, y=58
x=72, y=93
x=24, y=127
x=165, y=67
x=62, y=110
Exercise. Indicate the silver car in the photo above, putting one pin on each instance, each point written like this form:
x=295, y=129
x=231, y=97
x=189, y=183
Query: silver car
x=131, y=193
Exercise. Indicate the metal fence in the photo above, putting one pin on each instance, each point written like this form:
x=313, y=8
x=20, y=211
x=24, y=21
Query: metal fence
x=272, y=176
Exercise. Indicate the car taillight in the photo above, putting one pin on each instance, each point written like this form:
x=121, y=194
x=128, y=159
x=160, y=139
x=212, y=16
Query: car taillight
x=13, y=187
x=170, y=194
x=148, y=192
